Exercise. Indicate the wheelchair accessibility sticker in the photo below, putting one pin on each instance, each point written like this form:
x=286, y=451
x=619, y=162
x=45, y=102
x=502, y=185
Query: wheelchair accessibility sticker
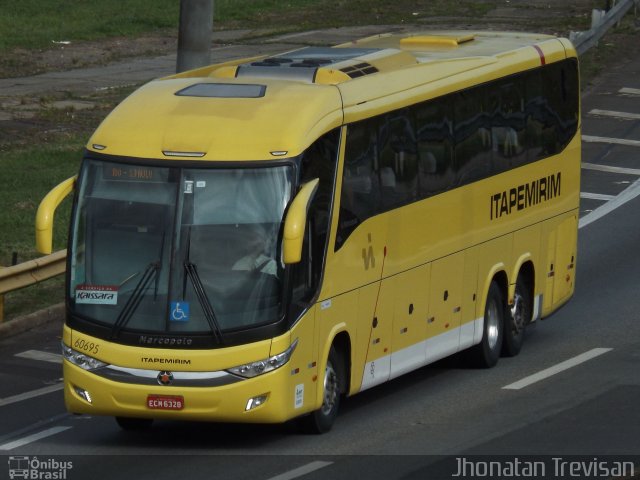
x=179, y=312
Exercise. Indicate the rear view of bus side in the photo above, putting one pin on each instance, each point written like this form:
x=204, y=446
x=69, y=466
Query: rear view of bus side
x=252, y=240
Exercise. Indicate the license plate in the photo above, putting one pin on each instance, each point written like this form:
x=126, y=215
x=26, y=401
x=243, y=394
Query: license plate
x=165, y=402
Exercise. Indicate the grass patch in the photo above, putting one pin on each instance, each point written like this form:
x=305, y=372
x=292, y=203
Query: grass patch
x=38, y=23
x=27, y=176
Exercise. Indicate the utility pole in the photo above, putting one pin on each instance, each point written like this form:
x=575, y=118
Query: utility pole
x=194, y=34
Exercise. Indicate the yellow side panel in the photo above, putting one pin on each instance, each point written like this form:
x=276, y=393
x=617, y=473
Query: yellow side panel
x=469, y=297
x=445, y=296
x=549, y=268
x=409, y=319
x=565, y=259
x=302, y=381
x=378, y=360
x=493, y=257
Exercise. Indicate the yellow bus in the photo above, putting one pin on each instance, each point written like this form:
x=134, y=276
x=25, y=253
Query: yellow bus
x=253, y=240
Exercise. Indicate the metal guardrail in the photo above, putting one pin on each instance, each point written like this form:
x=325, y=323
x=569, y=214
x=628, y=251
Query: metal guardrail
x=29, y=273
x=583, y=41
x=34, y=271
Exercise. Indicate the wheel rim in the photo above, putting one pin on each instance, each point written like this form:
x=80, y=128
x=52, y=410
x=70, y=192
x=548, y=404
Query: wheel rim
x=330, y=389
x=517, y=314
x=493, y=323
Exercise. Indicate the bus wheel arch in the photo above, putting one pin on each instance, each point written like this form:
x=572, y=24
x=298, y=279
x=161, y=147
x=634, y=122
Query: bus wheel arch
x=519, y=312
x=486, y=353
x=335, y=380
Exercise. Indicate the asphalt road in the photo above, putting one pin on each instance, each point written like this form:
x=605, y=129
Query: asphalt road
x=401, y=429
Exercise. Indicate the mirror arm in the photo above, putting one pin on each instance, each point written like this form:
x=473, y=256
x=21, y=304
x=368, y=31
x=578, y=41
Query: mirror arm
x=46, y=210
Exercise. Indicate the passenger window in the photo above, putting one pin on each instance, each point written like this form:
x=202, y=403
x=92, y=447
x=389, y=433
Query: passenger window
x=435, y=146
x=474, y=138
x=508, y=129
x=360, y=195
x=398, y=160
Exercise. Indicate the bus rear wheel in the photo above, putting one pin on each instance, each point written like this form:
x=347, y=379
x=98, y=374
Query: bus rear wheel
x=487, y=352
x=518, y=316
x=321, y=420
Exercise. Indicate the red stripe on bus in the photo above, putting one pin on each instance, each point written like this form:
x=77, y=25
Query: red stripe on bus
x=541, y=53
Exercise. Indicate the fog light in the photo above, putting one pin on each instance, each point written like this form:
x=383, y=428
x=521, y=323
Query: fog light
x=256, y=401
x=83, y=394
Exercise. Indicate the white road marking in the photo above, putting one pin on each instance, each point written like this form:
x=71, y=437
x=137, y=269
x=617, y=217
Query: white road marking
x=560, y=367
x=629, y=91
x=301, y=471
x=611, y=169
x=39, y=355
x=625, y=196
x=32, y=394
x=611, y=113
x=33, y=438
x=613, y=141
x=596, y=196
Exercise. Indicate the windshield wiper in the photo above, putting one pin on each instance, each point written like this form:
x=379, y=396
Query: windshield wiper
x=201, y=294
x=136, y=297
x=198, y=287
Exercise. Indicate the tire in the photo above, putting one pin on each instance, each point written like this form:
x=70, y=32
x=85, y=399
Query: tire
x=487, y=352
x=133, y=424
x=517, y=318
x=322, y=419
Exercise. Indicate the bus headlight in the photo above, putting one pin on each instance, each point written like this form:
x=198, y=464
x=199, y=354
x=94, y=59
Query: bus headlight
x=80, y=359
x=250, y=370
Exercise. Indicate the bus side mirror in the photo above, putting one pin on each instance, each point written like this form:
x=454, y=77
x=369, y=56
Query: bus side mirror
x=44, y=216
x=295, y=222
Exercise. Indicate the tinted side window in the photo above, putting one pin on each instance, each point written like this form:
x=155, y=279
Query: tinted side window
x=474, y=117
x=434, y=121
x=508, y=128
x=398, y=159
x=318, y=161
x=360, y=195
x=434, y=146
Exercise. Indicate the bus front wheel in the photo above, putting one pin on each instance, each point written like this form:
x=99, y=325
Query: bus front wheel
x=321, y=420
x=487, y=352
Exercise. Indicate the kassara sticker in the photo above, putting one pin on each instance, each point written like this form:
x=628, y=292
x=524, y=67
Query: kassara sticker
x=97, y=294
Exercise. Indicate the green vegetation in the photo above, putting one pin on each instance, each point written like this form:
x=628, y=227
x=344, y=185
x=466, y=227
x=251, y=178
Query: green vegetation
x=38, y=23
x=27, y=176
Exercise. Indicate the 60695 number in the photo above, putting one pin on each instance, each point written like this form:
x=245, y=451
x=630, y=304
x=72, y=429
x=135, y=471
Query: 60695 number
x=89, y=347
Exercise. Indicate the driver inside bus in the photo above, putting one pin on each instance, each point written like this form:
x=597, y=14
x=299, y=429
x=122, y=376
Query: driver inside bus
x=257, y=258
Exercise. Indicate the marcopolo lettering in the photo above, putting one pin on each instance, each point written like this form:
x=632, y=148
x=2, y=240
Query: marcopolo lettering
x=165, y=341
x=526, y=195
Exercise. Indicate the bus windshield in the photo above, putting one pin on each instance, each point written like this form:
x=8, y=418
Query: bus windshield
x=168, y=250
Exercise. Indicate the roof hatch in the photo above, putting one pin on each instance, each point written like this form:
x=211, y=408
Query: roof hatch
x=436, y=40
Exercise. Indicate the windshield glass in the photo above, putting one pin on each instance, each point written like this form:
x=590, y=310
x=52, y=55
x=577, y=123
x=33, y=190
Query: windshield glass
x=178, y=250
